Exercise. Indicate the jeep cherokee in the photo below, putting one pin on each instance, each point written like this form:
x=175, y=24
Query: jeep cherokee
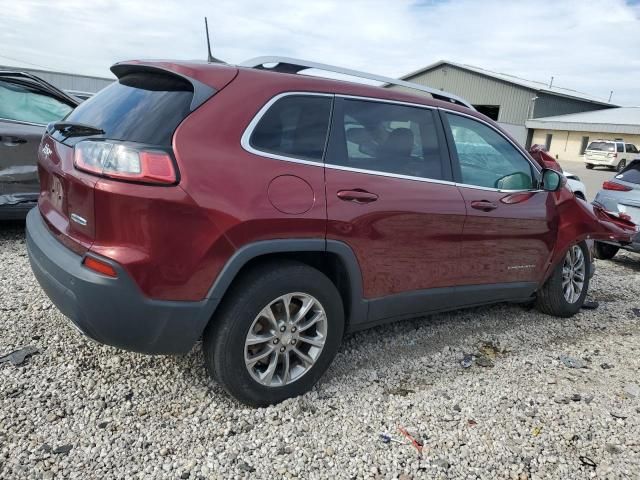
x=269, y=213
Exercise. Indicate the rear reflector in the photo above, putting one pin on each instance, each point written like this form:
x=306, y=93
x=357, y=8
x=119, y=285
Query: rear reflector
x=615, y=186
x=125, y=162
x=99, y=266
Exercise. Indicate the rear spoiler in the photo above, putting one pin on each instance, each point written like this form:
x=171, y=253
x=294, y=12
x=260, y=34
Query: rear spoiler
x=201, y=92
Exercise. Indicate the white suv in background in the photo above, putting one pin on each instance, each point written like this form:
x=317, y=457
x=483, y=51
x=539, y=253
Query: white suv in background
x=610, y=153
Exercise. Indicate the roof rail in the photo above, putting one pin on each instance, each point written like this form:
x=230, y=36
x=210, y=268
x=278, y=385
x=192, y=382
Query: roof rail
x=294, y=65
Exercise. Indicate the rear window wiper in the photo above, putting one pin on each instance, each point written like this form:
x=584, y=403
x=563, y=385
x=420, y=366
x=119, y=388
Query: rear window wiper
x=68, y=129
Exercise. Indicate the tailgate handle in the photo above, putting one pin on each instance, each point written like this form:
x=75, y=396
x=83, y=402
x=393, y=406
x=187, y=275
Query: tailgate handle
x=484, y=205
x=357, y=195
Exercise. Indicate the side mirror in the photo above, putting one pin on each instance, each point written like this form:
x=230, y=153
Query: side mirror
x=551, y=180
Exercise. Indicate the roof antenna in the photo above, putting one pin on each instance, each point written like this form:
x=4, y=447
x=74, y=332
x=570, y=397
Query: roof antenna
x=210, y=58
x=551, y=82
x=610, y=95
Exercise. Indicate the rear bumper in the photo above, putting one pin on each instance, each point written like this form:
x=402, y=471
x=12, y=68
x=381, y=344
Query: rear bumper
x=609, y=162
x=16, y=211
x=634, y=246
x=109, y=310
x=15, y=206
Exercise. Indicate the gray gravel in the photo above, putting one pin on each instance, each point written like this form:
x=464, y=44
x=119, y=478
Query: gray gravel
x=80, y=410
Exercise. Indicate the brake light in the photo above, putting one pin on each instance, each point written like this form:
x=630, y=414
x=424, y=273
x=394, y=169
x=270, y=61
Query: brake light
x=613, y=155
x=99, y=266
x=615, y=186
x=125, y=162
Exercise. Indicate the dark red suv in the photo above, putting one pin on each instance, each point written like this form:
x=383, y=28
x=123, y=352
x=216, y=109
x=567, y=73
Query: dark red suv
x=270, y=212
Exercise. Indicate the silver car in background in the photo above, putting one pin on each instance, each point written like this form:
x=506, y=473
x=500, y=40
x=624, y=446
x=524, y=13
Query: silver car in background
x=620, y=196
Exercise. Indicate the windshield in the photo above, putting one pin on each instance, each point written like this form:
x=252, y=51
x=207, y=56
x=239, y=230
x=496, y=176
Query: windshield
x=139, y=107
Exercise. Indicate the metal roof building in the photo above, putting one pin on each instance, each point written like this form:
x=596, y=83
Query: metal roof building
x=508, y=99
x=69, y=82
x=567, y=136
x=624, y=120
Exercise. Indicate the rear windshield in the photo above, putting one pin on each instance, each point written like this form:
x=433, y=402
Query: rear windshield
x=602, y=146
x=631, y=174
x=139, y=107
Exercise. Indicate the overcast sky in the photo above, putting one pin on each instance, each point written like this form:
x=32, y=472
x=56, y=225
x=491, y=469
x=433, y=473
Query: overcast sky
x=588, y=45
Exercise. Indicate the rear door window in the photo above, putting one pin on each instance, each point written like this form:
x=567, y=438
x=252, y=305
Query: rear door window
x=140, y=107
x=389, y=138
x=26, y=104
x=486, y=158
x=631, y=148
x=294, y=126
x=620, y=147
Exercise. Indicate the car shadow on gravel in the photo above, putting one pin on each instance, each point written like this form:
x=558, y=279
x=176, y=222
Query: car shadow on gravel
x=459, y=332
x=630, y=261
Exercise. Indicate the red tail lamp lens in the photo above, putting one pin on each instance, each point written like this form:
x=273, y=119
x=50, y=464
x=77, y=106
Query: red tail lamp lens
x=125, y=162
x=99, y=266
x=615, y=186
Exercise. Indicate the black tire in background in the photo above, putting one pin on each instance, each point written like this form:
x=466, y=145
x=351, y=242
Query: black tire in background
x=224, y=338
x=550, y=298
x=605, y=251
x=589, y=166
x=621, y=165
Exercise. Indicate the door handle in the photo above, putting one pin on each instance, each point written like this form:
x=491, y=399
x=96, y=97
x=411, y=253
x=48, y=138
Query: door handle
x=484, y=205
x=357, y=195
x=12, y=141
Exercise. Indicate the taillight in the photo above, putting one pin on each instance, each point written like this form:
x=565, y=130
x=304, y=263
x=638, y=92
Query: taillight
x=612, y=155
x=615, y=186
x=125, y=162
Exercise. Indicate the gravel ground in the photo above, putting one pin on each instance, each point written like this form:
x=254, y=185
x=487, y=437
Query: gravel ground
x=81, y=410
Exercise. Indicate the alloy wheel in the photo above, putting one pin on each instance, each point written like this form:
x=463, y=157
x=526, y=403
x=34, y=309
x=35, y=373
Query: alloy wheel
x=285, y=339
x=573, y=274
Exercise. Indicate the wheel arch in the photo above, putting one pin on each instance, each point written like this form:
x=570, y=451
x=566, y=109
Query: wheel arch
x=333, y=258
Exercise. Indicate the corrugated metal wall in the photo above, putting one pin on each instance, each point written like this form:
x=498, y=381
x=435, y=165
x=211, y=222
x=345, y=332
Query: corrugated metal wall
x=67, y=81
x=514, y=101
x=551, y=105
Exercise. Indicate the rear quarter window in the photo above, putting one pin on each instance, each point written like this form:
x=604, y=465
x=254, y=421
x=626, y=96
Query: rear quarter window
x=140, y=107
x=294, y=126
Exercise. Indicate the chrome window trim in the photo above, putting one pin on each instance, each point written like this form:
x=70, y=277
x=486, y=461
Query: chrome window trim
x=517, y=147
x=246, y=145
x=388, y=174
x=246, y=136
x=384, y=100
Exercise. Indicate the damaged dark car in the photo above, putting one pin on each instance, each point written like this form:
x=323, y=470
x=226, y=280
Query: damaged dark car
x=27, y=105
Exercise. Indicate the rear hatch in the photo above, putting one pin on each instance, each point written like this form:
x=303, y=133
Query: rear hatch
x=135, y=116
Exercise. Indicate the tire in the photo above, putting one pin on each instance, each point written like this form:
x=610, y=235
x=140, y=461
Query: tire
x=551, y=298
x=621, y=165
x=605, y=251
x=245, y=308
x=589, y=166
